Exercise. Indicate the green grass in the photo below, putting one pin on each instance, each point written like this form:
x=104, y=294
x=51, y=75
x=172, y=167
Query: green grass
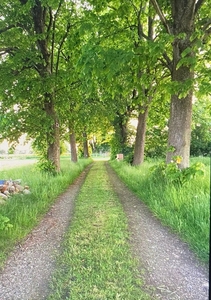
x=24, y=211
x=96, y=262
x=185, y=209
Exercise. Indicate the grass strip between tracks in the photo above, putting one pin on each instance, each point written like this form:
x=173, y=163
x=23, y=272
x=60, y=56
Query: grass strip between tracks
x=96, y=262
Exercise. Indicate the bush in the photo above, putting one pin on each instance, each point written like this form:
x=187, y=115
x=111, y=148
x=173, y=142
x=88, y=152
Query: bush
x=171, y=173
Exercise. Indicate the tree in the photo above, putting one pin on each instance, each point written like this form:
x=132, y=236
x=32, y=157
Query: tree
x=39, y=32
x=125, y=56
x=183, y=22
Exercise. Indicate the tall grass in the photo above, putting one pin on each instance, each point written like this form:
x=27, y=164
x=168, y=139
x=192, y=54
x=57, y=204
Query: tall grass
x=24, y=211
x=185, y=209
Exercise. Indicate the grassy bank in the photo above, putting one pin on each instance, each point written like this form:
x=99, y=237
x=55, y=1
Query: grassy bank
x=185, y=209
x=24, y=211
x=96, y=262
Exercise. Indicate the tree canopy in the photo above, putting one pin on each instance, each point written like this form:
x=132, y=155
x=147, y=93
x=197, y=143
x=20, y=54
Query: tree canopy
x=86, y=67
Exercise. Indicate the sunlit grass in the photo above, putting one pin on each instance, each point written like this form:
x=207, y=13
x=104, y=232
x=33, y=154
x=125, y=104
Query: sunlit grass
x=185, y=209
x=24, y=211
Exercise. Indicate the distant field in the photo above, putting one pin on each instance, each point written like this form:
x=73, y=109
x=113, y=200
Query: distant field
x=14, y=162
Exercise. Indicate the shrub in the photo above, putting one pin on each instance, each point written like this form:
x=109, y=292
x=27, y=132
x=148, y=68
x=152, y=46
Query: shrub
x=171, y=173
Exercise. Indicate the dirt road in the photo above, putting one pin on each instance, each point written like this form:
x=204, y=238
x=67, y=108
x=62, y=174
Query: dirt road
x=170, y=269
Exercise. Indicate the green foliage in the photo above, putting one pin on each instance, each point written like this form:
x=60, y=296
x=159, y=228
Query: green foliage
x=47, y=166
x=156, y=140
x=171, y=173
x=4, y=223
x=201, y=127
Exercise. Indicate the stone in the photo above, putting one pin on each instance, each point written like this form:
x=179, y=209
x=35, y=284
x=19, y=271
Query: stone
x=26, y=192
x=3, y=196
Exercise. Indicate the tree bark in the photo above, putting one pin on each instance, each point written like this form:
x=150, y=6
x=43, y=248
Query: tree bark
x=181, y=109
x=44, y=68
x=140, y=137
x=180, y=129
x=121, y=132
x=53, y=134
x=74, y=157
x=85, y=145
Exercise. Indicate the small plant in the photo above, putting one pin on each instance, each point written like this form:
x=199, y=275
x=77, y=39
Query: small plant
x=4, y=223
x=173, y=174
x=46, y=166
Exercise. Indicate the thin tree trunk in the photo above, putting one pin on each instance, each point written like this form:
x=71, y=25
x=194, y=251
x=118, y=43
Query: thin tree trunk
x=85, y=145
x=140, y=137
x=121, y=132
x=74, y=157
x=53, y=135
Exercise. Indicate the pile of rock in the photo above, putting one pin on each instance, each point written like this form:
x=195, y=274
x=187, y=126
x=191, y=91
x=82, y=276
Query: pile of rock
x=10, y=187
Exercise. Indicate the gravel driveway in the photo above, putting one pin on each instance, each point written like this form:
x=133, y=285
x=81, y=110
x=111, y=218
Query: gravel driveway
x=171, y=271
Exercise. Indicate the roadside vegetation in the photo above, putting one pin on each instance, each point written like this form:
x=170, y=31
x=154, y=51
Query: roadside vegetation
x=183, y=206
x=22, y=212
x=96, y=262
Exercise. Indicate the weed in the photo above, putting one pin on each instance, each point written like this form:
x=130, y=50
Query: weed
x=4, y=223
x=171, y=173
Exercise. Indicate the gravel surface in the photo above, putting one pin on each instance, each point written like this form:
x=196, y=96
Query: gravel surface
x=171, y=271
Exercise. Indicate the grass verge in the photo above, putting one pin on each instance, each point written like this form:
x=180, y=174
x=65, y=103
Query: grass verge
x=185, y=209
x=96, y=262
x=24, y=211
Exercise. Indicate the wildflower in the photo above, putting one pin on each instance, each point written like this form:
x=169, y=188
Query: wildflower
x=178, y=159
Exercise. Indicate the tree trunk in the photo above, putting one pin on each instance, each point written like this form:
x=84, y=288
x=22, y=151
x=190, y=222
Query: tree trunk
x=53, y=136
x=140, y=138
x=74, y=157
x=180, y=129
x=121, y=132
x=181, y=109
x=85, y=145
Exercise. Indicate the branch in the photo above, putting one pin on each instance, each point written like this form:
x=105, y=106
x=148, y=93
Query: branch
x=58, y=9
x=7, y=28
x=50, y=23
x=8, y=50
x=161, y=15
x=207, y=24
x=60, y=46
x=168, y=61
x=140, y=27
x=207, y=33
x=53, y=34
x=198, y=5
x=112, y=7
